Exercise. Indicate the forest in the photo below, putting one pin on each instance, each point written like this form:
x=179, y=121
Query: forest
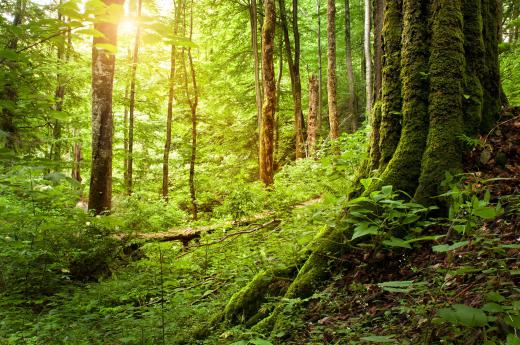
x=260, y=172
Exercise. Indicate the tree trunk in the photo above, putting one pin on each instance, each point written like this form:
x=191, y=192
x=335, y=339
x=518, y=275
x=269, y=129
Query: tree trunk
x=171, y=96
x=59, y=95
x=320, y=68
x=131, y=117
x=268, y=110
x=331, y=70
x=379, y=10
x=312, y=122
x=193, y=103
x=103, y=63
x=368, y=58
x=352, y=111
x=294, y=69
x=253, y=19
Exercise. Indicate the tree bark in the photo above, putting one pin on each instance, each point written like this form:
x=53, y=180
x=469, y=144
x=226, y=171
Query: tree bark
x=269, y=106
x=331, y=70
x=312, y=122
x=59, y=95
x=103, y=63
x=171, y=96
x=368, y=58
x=131, y=114
x=193, y=103
x=294, y=69
x=253, y=19
x=352, y=111
x=379, y=9
x=320, y=68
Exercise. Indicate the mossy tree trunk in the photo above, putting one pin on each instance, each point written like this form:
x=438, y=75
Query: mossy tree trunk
x=432, y=50
x=269, y=104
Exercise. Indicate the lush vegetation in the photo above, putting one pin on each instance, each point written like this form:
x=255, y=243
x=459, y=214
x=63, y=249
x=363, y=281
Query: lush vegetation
x=214, y=219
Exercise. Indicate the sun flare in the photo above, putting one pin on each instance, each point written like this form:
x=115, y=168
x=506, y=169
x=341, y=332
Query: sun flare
x=127, y=27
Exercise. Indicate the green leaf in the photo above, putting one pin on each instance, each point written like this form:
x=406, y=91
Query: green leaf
x=485, y=212
x=364, y=229
x=260, y=341
x=108, y=47
x=379, y=339
x=441, y=248
x=387, y=190
x=397, y=242
x=492, y=308
x=512, y=340
x=495, y=297
x=461, y=314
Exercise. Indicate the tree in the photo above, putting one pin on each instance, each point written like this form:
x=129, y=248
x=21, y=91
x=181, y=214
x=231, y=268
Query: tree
x=131, y=109
x=432, y=77
x=171, y=96
x=268, y=110
x=331, y=70
x=320, y=67
x=368, y=57
x=103, y=63
x=294, y=72
x=312, y=122
x=253, y=19
x=352, y=97
x=193, y=103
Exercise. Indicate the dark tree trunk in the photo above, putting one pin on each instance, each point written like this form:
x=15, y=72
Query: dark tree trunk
x=103, y=63
x=171, y=96
x=193, y=103
x=368, y=58
x=268, y=110
x=312, y=122
x=379, y=9
x=320, y=68
x=131, y=114
x=331, y=70
x=294, y=70
x=352, y=110
x=253, y=19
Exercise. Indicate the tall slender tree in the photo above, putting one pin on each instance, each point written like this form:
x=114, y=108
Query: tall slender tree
x=253, y=20
x=312, y=122
x=268, y=110
x=131, y=107
x=294, y=72
x=331, y=70
x=103, y=63
x=171, y=95
x=193, y=101
x=352, y=111
x=368, y=57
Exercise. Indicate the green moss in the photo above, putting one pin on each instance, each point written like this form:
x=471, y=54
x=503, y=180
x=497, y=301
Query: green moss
x=391, y=115
x=474, y=52
x=403, y=170
x=245, y=304
x=491, y=72
x=443, y=152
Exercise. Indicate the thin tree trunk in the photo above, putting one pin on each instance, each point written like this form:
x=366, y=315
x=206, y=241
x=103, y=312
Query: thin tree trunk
x=253, y=18
x=59, y=95
x=169, y=116
x=193, y=103
x=331, y=70
x=268, y=111
x=103, y=63
x=368, y=59
x=277, y=112
x=352, y=110
x=312, y=122
x=131, y=117
x=294, y=68
x=378, y=48
x=320, y=68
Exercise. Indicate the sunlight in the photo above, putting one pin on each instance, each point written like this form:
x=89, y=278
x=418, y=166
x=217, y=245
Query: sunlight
x=127, y=26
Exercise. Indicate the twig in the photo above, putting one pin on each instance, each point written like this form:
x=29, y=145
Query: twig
x=500, y=124
x=274, y=221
